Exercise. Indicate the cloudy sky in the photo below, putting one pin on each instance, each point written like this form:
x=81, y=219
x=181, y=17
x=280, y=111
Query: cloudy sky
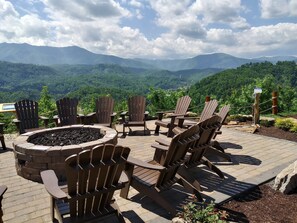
x=155, y=28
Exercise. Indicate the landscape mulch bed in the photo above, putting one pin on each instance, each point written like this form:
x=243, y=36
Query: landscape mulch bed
x=263, y=203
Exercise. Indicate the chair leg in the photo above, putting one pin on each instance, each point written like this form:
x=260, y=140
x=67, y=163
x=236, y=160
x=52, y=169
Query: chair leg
x=170, y=132
x=184, y=174
x=212, y=167
x=3, y=142
x=124, y=133
x=217, y=146
x=118, y=212
x=157, y=129
x=216, y=152
x=129, y=171
x=52, y=204
x=190, y=188
x=154, y=195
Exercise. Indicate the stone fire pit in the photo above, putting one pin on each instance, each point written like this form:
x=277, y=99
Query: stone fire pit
x=32, y=158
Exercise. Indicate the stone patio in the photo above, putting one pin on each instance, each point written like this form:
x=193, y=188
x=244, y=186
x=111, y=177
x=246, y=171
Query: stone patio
x=255, y=159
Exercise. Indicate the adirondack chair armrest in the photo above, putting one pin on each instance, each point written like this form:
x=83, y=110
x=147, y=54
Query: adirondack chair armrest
x=218, y=132
x=81, y=116
x=146, y=113
x=178, y=130
x=113, y=114
x=90, y=114
x=43, y=117
x=3, y=188
x=175, y=115
x=159, y=146
x=137, y=162
x=45, y=120
x=163, y=142
x=50, y=182
x=17, y=122
x=123, y=116
x=160, y=115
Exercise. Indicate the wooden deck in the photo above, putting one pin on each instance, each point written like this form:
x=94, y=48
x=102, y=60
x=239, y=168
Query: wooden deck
x=255, y=159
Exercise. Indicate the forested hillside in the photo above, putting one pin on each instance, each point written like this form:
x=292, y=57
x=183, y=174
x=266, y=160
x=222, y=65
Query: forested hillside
x=236, y=86
x=19, y=81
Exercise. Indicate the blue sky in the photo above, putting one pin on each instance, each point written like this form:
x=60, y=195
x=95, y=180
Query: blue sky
x=161, y=29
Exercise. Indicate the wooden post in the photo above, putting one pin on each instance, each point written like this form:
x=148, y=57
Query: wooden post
x=274, y=103
x=207, y=98
x=257, y=108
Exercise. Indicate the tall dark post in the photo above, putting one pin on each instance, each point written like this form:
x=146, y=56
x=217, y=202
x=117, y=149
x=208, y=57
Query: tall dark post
x=274, y=103
x=207, y=98
x=257, y=108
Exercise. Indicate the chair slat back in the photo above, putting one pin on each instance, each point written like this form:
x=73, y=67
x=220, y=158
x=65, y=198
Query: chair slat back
x=136, y=108
x=208, y=110
x=223, y=113
x=207, y=131
x=104, y=108
x=93, y=176
x=67, y=111
x=175, y=155
x=27, y=113
x=182, y=105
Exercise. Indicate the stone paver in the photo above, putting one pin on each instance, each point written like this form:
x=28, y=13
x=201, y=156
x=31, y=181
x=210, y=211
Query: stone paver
x=255, y=159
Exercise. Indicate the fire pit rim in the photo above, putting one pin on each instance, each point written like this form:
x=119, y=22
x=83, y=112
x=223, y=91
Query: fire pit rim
x=31, y=158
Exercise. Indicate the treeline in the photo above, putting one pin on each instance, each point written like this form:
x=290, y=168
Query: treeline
x=236, y=86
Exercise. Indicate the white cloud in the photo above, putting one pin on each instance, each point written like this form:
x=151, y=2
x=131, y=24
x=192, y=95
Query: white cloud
x=135, y=3
x=221, y=11
x=85, y=9
x=7, y=9
x=188, y=27
x=278, y=8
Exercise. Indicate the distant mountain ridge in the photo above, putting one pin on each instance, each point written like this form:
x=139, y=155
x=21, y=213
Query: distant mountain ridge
x=45, y=55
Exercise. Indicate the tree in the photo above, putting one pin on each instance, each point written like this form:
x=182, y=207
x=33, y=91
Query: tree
x=46, y=104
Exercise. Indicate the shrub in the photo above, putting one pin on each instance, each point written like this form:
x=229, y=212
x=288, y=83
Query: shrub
x=294, y=128
x=206, y=213
x=284, y=123
x=266, y=123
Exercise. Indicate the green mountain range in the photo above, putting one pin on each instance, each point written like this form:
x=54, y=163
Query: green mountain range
x=44, y=55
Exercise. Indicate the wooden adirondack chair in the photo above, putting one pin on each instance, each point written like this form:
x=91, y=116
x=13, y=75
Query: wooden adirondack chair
x=181, y=108
x=92, y=178
x=136, y=114
x=151, y=178
x=208, y=110
x=3, y=188
x=27, y=116
x=208, y=128
x=216, y=148
x=195, y=155
x=2, y=136
x=104, y=114
x=67, y=112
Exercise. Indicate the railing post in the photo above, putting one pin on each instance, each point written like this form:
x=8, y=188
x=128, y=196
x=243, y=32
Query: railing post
x=207, y=98
x=257, y=108
x=274, y=103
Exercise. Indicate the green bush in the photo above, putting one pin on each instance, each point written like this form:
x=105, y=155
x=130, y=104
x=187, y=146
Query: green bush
x=284, y=123
x=266, y=123
x=294, y=128
x=206, y=213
